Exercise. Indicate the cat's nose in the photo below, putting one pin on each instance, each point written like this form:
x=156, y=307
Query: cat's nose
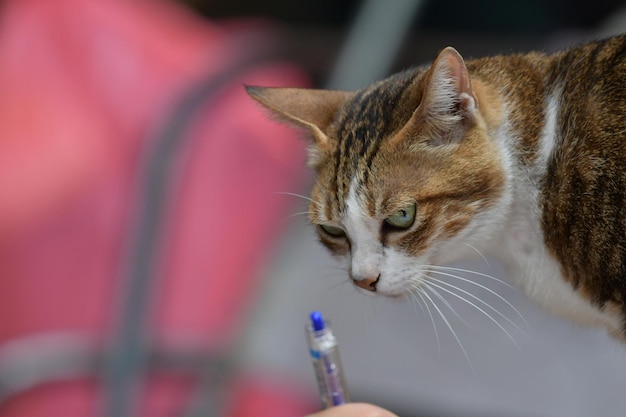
x=368, y=284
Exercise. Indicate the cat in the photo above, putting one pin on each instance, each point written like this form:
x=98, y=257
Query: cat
x=519, y=156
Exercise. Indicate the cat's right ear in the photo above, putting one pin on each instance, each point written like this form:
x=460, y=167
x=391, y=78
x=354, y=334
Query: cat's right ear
x=449, y=104
x=312, y=109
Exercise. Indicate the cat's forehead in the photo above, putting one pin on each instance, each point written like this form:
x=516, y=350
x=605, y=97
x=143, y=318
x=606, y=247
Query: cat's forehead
x=359, y=131
x=359, y=138
x=379, y=109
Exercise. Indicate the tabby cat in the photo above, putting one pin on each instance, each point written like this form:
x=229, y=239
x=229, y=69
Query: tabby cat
x=522, y=157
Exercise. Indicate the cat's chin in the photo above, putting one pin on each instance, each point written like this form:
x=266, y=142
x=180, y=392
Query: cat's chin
x=397, y=296
x=366, y=292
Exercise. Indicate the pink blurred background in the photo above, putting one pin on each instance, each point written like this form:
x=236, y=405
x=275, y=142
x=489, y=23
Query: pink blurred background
x=88, y=89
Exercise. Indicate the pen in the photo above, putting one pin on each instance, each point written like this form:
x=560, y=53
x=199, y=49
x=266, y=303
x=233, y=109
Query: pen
x=325, y=356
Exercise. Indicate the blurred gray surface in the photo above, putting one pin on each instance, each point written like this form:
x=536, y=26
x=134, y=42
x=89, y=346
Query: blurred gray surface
x=391, y=355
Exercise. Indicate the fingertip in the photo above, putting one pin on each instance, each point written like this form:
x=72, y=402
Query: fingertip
x=355, y=410
x=370, y=410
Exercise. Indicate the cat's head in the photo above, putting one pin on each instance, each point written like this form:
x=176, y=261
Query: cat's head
x=407, y=172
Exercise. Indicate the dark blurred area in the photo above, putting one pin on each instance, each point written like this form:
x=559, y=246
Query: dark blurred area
x=316, y=28
x=482, y=16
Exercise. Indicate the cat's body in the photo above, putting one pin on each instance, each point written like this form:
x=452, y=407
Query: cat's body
x=521, y=156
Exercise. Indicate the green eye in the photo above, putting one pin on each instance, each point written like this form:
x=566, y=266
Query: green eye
x=332, y=230
x=403, y=219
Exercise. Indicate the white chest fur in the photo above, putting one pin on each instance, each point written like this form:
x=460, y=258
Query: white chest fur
x=521, y=245
x=532, y=267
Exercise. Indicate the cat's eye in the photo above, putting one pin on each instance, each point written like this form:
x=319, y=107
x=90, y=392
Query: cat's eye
x=333, y=230
x=403, y=219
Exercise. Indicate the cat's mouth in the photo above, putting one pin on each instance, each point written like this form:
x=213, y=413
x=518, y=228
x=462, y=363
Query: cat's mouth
x=380, y=287
x=397, y=286
x=367, y=284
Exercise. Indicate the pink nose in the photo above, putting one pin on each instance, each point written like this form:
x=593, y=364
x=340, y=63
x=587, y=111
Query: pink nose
x=368, y=284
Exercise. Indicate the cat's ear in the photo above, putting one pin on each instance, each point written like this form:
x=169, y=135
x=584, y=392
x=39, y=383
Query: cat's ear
x=312, y=109
x=449, y=101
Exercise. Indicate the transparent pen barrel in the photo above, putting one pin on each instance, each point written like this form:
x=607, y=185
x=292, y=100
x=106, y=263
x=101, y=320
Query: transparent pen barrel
x=327, y=365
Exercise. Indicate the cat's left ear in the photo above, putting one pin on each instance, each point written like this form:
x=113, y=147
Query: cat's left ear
x=449, y=102
x=312, y=109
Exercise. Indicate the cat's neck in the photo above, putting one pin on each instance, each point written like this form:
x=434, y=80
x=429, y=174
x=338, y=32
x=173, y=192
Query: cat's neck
x=516, y=91
x=521, y=117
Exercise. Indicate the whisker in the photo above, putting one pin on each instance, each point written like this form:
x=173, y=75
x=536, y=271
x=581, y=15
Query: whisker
x=418, y=293
x=317, y=203
x=416, y=302
x=489, y=290
x=445, y=320
x=333, y=287
x=300, y=213
x=479, y=309
x=436, y=293
x=442, y=282
x=469, y=271
x=338, y=268
x=478, y=252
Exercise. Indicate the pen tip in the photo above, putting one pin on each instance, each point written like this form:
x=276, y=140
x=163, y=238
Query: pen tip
x=318, y=321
